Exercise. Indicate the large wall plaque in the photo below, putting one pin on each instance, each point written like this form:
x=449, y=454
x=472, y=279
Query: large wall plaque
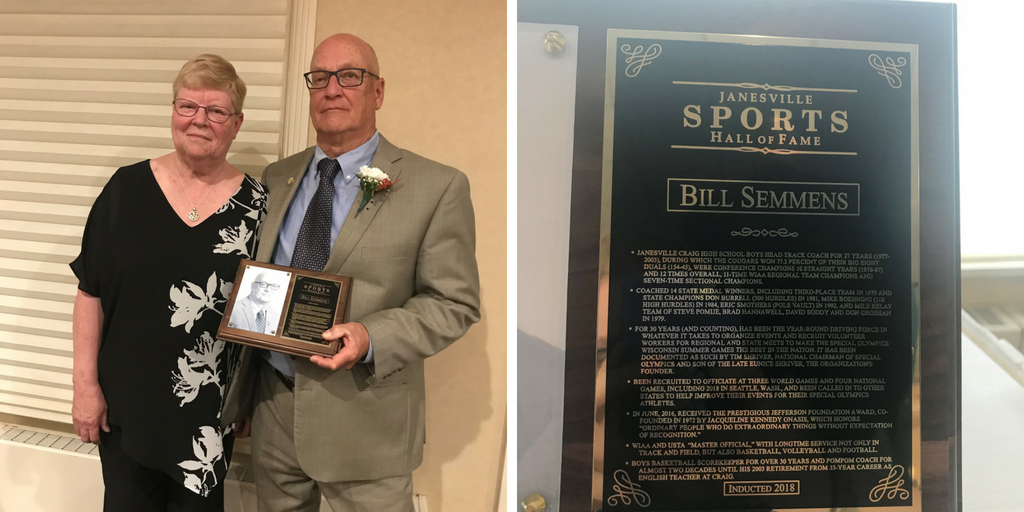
x=758, y=311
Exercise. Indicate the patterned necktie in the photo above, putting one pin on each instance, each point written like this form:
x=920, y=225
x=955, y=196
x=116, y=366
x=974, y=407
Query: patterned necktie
x=261, y=322
x=313, y=245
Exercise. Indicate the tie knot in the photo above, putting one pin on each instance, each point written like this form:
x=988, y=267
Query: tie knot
x=328, y=167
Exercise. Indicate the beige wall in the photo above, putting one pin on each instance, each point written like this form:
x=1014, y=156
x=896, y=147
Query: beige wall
x=444, y=65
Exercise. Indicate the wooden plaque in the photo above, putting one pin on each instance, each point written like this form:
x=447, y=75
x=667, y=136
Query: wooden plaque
x=285, y=309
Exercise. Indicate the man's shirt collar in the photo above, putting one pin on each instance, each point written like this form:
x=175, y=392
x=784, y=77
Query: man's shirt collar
x=351, y=161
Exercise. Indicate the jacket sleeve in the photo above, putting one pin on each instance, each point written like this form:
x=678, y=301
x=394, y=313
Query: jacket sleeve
x=447, y=299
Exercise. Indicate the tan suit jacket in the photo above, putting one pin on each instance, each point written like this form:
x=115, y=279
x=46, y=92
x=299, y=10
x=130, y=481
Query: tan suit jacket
x=411, y=254
x=242, y=316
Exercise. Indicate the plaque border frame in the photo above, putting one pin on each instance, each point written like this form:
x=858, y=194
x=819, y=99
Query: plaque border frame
x=279, y=342
x=611, y=56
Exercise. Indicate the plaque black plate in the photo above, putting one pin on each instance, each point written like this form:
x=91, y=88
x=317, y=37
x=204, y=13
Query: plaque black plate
x=311, y=309
x=762, y=227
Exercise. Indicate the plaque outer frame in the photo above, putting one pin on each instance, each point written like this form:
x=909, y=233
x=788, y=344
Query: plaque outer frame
x=605, y=237
x=280, y=343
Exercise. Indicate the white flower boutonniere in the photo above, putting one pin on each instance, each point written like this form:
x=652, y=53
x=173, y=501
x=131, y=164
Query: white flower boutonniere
x=371, y=181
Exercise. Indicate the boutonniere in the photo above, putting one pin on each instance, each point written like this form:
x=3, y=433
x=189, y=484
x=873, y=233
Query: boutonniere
x=371, y=181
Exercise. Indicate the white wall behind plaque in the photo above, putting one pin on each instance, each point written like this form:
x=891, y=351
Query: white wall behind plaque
x=991, y=180
x=546, y=110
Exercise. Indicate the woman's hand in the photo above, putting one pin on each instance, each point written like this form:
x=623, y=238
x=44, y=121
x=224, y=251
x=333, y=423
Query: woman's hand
x=88, y=407
x=89, y=412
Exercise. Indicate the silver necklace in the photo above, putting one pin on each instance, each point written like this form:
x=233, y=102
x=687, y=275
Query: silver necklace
x=194, y=215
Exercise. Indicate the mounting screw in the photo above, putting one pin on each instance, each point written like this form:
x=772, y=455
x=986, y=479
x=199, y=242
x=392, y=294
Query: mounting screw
x=554, y=41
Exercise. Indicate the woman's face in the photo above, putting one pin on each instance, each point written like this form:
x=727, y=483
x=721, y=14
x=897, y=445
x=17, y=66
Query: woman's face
x=199, y=138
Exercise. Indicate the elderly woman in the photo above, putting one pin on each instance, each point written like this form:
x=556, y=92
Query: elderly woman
x=160, y=250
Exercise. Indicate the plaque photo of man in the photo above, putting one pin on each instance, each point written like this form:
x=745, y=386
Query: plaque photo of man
x=260, y=310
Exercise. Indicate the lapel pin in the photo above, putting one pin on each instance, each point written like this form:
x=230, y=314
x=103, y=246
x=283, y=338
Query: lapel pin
x=290, y=180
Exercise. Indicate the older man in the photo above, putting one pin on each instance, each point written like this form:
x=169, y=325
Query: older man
x=352, y=426
x=260, y=311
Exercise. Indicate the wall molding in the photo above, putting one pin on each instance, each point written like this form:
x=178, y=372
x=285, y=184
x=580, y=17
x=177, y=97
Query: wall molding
x=295, y=108
x=992, y=266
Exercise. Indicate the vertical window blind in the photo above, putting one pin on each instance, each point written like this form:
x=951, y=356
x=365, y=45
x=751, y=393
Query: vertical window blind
x=85, y=87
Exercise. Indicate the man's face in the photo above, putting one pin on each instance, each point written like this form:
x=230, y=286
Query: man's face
x=337, y=110
x=263, y=289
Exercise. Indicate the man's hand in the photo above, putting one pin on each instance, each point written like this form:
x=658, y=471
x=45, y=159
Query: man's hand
x=241, y=427
x=356, y=343
x=89, y=412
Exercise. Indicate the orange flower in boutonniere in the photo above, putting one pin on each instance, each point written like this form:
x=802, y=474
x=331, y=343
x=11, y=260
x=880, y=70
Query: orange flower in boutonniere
x=371, y=181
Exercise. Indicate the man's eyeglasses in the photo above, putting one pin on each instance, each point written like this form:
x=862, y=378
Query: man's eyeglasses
x=348, y=77
x=269, y=286
x=214, y=113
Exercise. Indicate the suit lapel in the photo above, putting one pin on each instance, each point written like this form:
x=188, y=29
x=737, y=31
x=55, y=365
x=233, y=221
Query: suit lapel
x=250, y=319
x=280, y=201
x=384, y=159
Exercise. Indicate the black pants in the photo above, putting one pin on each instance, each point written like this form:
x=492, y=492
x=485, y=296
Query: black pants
x=132, y=487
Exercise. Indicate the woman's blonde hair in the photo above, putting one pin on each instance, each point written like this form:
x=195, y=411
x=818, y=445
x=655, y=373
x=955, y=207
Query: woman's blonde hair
x=208, y=71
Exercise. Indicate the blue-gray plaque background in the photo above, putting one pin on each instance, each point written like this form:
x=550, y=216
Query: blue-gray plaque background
x=786, y=226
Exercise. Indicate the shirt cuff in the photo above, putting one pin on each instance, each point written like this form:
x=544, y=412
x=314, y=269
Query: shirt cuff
x=369, y=353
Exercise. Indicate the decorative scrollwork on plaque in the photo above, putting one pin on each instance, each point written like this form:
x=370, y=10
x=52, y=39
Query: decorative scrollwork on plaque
x=769, y=87
x=889, y=68
x=765, y=151
x=890, y=487
x=626, y=491
x=638, y=58
x=783, y=232
x=765, y=86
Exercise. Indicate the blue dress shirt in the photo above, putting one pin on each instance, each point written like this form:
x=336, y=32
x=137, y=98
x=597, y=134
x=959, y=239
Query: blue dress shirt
x=346, y=191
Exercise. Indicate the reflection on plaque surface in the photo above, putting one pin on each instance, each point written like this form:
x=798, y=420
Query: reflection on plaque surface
x=758, y=317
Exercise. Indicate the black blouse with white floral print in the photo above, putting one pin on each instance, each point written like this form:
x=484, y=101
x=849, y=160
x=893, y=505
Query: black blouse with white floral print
x=162, y=287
